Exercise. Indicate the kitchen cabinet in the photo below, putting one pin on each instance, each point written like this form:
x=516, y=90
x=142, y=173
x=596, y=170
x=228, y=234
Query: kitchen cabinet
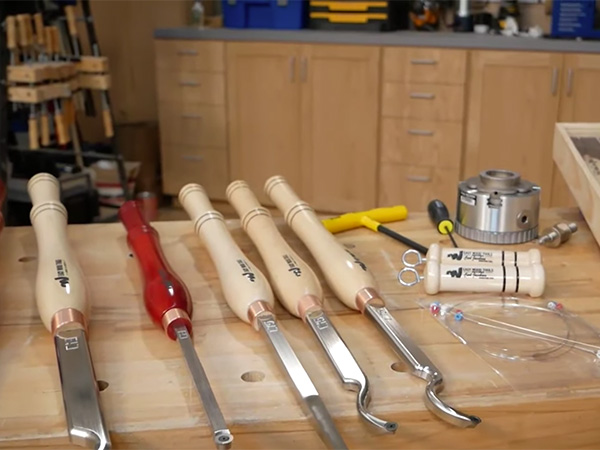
x=513, y=103
x=263, y=89
x=191, y=97
x=307, y=113
x=339, y=126
x=421, y=130
x=579, y=102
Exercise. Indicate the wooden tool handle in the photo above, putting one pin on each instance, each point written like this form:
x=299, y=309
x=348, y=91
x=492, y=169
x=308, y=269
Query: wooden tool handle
x=344, y=272
x=61, y=129
x=28, y=28
x=243, y=284
x=34, y=133
x=39, y=28
x=108, y=124
x=45, y=129
x=48, y=40
x=60, y=284
x=11, y=33
x=294, y=282
x=71, y=20
x=22, y=28
x=68, y=111
x=55, y=39
x=464, y=278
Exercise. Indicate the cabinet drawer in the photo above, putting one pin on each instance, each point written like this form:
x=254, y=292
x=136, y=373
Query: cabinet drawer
x=190, y=56
x=416, y=186
x=421, y=142
x=191, y=87
x=208, y=167
x=424, y=65
x=423, y=101
x=192, y=125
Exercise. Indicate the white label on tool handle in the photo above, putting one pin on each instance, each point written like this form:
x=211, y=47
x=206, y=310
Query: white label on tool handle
x=483, y=256
x=479, y=278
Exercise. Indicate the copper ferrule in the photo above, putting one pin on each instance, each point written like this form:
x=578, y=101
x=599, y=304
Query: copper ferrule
x=256, y=309
x=68, y=317
x=171, y=316
x=367, y=295
x=307, y=304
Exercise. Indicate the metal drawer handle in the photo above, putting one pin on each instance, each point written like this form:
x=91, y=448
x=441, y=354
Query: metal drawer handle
x=189, y=83
x=191, y=116
x=424, y=62
x=421, y=132
x=187, y=52
x=554, y=82
x=192, y=157
x=422, y=95
x=419, y=178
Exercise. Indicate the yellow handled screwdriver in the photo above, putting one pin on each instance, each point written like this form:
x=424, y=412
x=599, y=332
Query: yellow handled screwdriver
x=439, y=215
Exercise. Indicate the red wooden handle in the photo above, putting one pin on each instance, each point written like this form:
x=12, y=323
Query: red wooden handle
x=163, y=290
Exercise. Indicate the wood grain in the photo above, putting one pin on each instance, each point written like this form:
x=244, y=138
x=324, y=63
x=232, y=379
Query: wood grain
x=151, y=403
x=423, y=101
x=578, y=103
x=424, y=65
x=511, y=114
x=339, y=126
x=263, y=95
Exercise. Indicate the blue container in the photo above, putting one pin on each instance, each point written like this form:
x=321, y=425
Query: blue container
x=575, y=18
x=279, y=14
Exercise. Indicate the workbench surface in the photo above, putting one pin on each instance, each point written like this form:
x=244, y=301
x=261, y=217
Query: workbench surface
x=151, y=403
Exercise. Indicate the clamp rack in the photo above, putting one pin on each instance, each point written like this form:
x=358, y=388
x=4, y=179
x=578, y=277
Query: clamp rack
x=54, y=75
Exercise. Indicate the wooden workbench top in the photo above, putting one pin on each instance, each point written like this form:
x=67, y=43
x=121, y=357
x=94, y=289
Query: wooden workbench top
x=151, y=403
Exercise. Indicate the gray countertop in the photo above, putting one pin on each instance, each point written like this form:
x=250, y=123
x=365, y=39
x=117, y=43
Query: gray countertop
x=395, y=38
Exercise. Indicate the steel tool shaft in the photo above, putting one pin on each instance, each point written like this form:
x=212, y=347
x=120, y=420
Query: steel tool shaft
x=354, y=285
x=62, y=302
x=169, y=305
x=298, y=288
x=249, y=295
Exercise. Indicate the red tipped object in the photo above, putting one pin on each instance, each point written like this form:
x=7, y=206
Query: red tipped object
x=166, y=298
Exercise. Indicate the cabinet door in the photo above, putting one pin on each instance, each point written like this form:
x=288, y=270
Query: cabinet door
x=512, y=109
x=264, y=113
x=580, y=102
x=340, y=90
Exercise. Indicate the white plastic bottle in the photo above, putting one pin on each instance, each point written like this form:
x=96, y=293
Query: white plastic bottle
x=198, y=14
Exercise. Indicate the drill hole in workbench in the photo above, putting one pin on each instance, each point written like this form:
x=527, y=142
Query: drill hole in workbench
x=102, y=385
x=398, y=366
x=253, y=376
x=24, y=259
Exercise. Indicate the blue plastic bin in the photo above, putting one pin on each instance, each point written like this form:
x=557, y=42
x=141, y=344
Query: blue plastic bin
x=280, y=14
x=575, y=18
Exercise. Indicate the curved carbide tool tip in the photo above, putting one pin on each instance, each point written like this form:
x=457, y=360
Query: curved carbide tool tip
x=445, y=411
x=362, y=401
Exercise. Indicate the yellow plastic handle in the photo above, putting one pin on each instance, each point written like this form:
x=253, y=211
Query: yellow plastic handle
x=353, y=220
x=60, y=284
x=344, y=272
x=243, y=284
x=296, y=285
